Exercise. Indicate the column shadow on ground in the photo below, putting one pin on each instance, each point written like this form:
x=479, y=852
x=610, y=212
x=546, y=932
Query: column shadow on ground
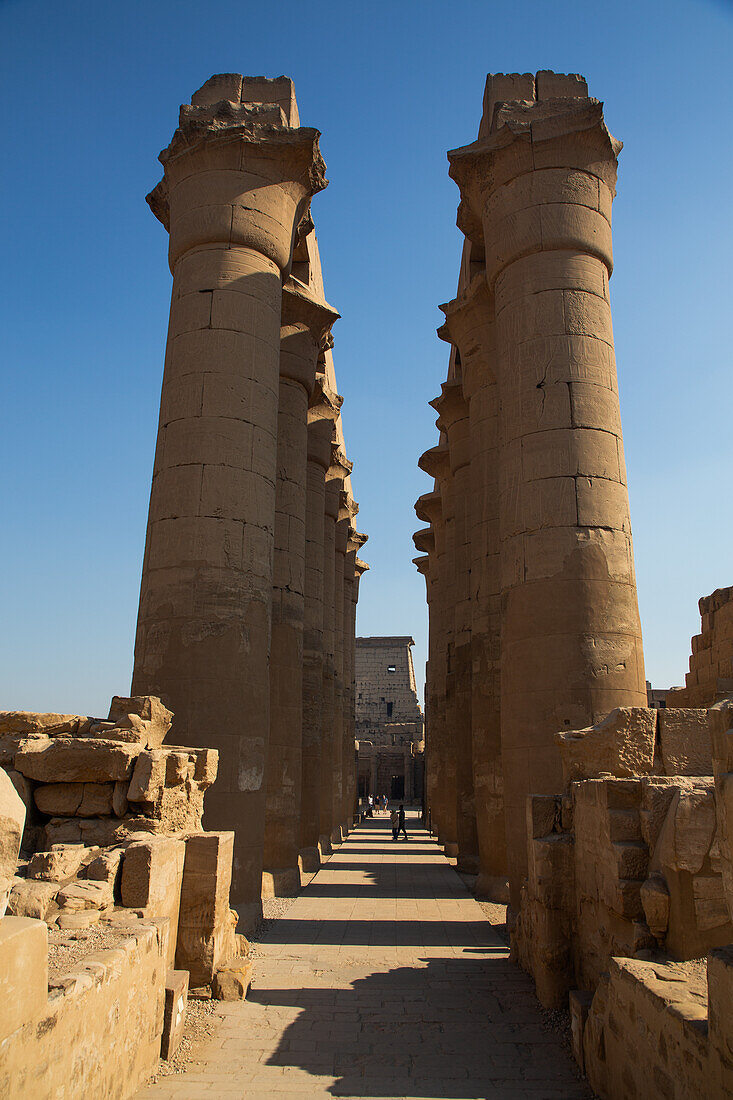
x=447, y=1028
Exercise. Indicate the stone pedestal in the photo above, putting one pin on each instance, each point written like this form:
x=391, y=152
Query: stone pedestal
x=536, y=194
x=237, y=182
x=305, y=323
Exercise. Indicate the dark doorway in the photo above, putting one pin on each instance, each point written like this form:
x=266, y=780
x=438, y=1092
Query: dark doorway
x=363, y=785
x=398, y=788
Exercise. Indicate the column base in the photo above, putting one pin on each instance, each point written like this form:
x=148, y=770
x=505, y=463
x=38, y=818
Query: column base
x=337, y=837
x=451, y=849
x=492, y=888
x=468, y=864
x=283, y=882
x=324, y=843
x=310, y=859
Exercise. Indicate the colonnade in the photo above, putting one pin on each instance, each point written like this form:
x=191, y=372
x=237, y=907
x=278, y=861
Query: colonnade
x=251, y=570
x=527, y=556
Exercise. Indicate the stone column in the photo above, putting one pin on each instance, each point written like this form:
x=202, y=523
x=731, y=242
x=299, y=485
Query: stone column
x=470, y=326
x=431, y=508
x=453, y=419
x=321, y=415
x=337, y=777
x=331, y=753
x=356, y=540
x=360, y=567
x=304, y=326
x=425, y=541
x=538, y=190
x=237, y=183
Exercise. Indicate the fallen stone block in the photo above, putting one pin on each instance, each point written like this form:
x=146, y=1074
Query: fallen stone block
x=23, y=972
x=25, y=722
x=106, y=867
x=148, y=777
x=655, y=903
x=74, y=799
x=85, y=894
x=144, y=715
x=76, y=760
x=622, y=745
x=75, y=919
x=30, y=898
x=174, y=1016
x=60, y=864
x=232, y=980
x=12, y=823
x=152, y=874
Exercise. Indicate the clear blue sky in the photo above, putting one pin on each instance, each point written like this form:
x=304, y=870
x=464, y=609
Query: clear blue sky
x=90, y=94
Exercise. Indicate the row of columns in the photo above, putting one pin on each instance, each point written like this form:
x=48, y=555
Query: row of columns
x=251, y=575
x=534, y=626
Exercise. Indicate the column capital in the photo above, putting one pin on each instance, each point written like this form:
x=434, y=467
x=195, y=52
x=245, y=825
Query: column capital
x=435, y=461
x=422, y=565
x=348, y=508
x=360, y=567
x=340, y=467
x=356, y=539
x=450, y=404
x=304, y=325
x=526, y=184
x=469, y=325
x=237, y=174
x=325, y=403
x=429, y=508
x=424, y=540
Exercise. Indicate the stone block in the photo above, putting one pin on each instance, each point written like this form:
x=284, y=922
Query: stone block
x=720, y=999
x=655, y=903
x=106, y=867
x=74, y=799
x=60, y=864
x=621, y=745
x=543, y=814
x=76, y=760
x=232, y=980
x=205, y=927
x=579, y=1003
x=152, y=874
x=144, y=716
x=29, y=898
x=12, y=823
x=148, y=777
x=26, y=723
x=86, y=894
x=23, y=972
x=685, y=740
x=174, y=1017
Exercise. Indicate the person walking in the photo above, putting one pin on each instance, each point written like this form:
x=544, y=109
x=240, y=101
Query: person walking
x=401, y=823
x=395, y=820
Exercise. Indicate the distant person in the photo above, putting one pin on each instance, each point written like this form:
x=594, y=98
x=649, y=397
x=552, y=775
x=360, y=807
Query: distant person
x=385, y=802
x=401, y=823
x=395, y=820
x=370, y=810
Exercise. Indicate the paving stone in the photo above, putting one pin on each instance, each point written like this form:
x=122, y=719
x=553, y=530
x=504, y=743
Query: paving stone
x=445, y=1014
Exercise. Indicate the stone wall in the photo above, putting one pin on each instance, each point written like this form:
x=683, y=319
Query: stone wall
x=711, y=663
x=94, y=1032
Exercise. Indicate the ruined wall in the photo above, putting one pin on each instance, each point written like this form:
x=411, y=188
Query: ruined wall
x=711, y=663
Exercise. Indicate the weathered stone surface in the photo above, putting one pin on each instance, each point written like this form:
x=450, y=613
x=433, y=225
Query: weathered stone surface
x=106, y=867
x=30, y=898
x=621, y=745
x=23, y=972
x=174, y=1019
x=152, y=874
x=685, y=741
x=74, y=799
x=60, y=864
x=76, y=760
x=232, y=980
x=26, y=723
x=143, y=716
x=655, y=900
x=148, y=777
x=86, y=894
x=206, y=931
x=12, y=823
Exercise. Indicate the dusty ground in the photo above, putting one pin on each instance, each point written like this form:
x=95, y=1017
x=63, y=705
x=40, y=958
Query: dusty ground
x=67, y=948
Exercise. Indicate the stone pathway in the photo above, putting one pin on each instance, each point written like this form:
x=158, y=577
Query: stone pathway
x=383, y=979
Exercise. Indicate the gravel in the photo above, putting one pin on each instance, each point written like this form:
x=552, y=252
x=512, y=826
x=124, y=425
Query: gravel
x=66, y=949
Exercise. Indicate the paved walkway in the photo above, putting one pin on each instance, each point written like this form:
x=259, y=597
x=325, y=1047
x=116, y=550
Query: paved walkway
x=383, y=979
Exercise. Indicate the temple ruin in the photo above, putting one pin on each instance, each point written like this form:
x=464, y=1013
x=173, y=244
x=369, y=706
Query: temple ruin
x=389, y=721
x=136, y=850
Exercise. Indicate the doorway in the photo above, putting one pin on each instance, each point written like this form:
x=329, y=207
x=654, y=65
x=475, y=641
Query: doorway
x=397, y=791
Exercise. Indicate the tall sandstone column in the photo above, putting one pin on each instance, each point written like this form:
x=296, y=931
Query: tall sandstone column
x=453, y=419
x=304, y=325
x=237, y=183
x=470, y=326
x=536, y=193
x=321, y=415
